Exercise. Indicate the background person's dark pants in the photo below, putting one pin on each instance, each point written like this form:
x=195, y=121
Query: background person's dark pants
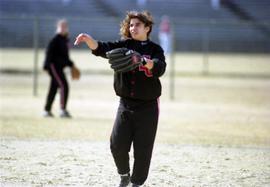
x=136, y=122
x=58, y=80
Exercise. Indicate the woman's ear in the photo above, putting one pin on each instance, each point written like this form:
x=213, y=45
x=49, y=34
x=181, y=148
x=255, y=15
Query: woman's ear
x=147, y=29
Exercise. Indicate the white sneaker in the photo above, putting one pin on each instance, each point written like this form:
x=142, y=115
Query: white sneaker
x=47, y=114
x=65, y=114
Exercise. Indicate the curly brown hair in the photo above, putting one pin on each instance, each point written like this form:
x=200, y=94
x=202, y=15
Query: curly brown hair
x=144, y=17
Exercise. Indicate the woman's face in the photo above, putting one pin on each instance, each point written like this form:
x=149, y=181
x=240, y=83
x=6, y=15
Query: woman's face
x=138, y=30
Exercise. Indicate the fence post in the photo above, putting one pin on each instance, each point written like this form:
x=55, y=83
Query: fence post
x=36, y=49
x=172, y=76
x=205, y=46
x=172, y=62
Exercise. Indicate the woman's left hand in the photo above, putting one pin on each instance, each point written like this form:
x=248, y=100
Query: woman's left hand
x=149, y=63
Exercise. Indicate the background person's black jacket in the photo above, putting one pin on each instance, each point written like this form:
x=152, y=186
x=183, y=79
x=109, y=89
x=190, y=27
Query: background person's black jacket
x=57, y=53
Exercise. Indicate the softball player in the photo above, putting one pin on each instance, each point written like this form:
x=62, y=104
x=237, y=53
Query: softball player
x=137, y=116
x=57, y=58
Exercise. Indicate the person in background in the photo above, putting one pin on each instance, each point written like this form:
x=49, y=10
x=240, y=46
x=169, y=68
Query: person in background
x=165, y=34
x=57, y=58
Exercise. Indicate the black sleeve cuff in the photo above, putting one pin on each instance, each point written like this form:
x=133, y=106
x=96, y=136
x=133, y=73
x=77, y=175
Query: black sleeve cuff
x=100, y=50
x=158, y=68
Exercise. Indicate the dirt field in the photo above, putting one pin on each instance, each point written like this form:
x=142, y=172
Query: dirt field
x=85, y=163
x=215, y=133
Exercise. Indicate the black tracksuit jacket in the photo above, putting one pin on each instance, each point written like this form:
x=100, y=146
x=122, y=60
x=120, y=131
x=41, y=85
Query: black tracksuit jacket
x=140, y=84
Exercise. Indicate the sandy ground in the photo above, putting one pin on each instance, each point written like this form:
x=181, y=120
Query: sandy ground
x=230, y=114
x=85, y=163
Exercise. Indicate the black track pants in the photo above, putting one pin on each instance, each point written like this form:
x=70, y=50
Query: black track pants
x=136, y=122
x=58, y=80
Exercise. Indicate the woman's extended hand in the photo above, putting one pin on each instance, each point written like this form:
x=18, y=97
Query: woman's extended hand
x=83, y=37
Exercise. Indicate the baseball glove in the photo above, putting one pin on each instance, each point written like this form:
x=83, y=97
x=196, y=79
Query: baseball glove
x=124, y=60
x=75, y=73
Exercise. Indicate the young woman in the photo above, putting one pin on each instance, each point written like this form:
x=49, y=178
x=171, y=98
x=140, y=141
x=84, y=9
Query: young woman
x=137, y=116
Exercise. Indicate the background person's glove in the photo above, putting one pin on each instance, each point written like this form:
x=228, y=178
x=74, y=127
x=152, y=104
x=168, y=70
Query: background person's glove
x=75, y=73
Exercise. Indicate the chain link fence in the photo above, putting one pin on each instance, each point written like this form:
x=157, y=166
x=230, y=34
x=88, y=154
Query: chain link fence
x=197, y=44
x=190, y=35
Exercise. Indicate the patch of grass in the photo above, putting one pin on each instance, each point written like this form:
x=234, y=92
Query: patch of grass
x=215, y=111
x=185, y=63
